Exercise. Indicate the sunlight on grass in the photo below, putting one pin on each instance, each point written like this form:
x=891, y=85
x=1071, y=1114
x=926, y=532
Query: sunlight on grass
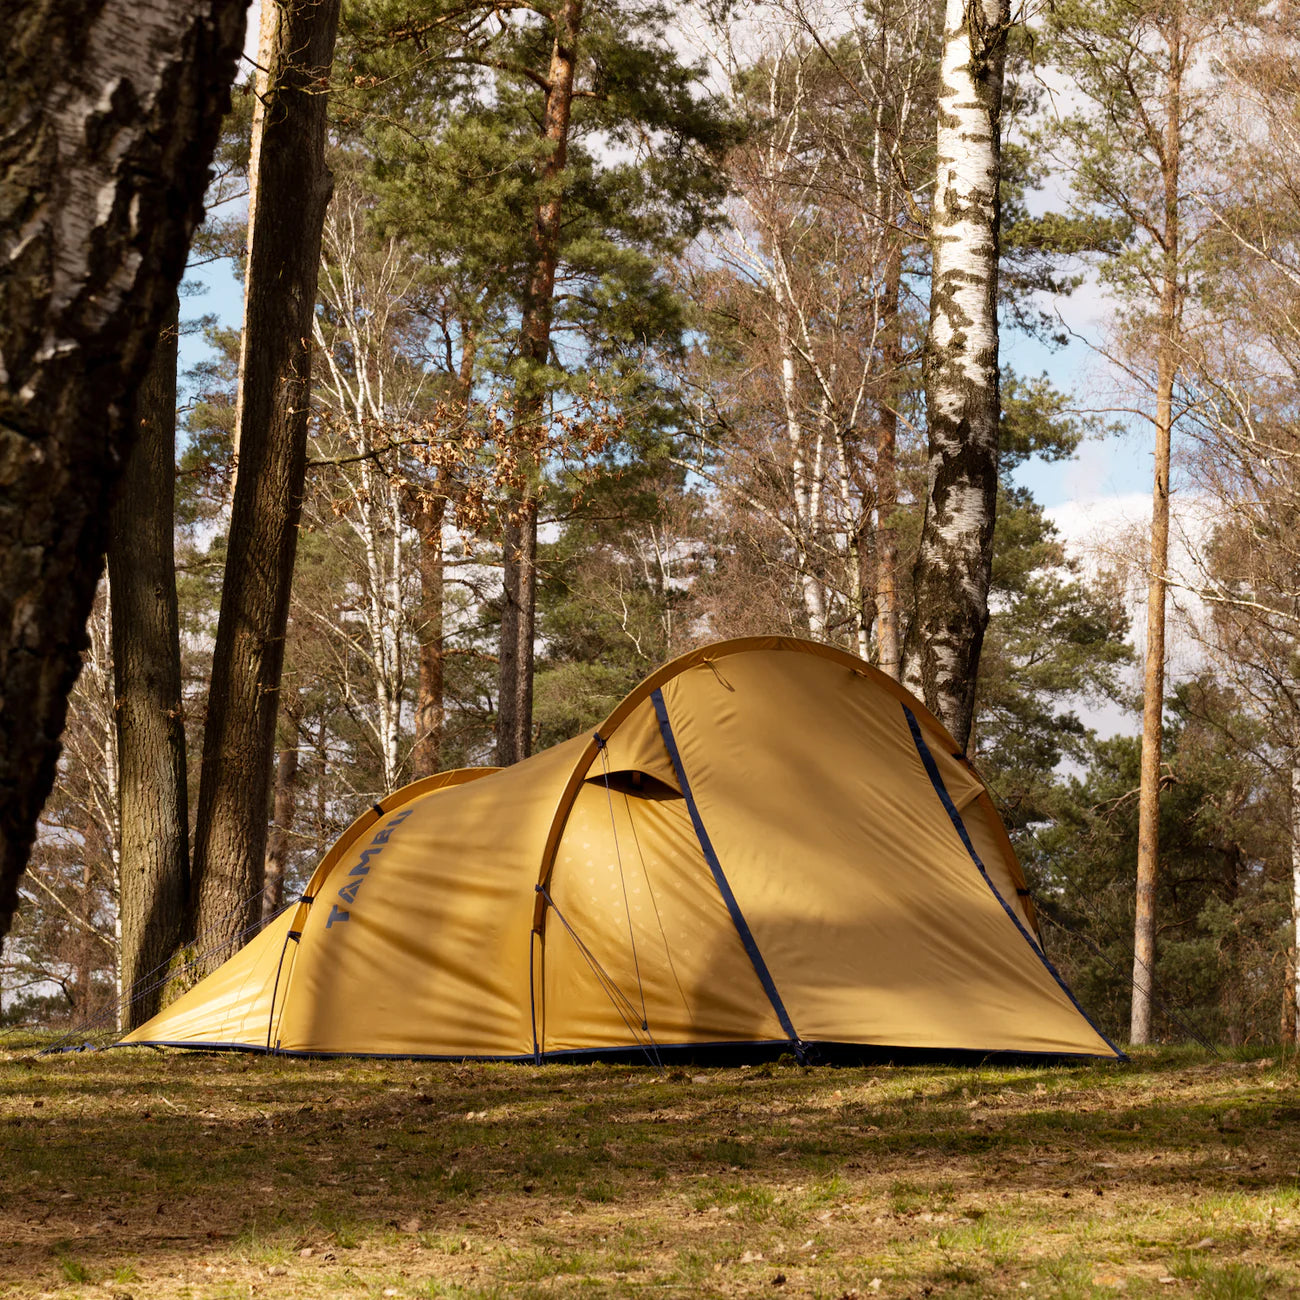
x=171, y=1175
x=1224, y=1281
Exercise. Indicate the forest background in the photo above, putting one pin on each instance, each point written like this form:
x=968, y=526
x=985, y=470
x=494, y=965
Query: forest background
x=734, y=434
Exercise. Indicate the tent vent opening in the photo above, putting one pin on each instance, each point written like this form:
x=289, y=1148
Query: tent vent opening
x=638, y=784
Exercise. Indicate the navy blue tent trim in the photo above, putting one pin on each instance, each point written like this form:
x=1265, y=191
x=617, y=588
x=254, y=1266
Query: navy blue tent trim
x=932, y=771
x=724, y=888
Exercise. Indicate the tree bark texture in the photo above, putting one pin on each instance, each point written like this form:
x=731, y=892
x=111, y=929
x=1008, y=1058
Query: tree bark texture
x=1291, y=1014
x=268, y=26
x=887, y=621
x=1153, y=681
x=1153, y=694
x=284, y=245
x=954, y=563
x=426, y=754
x=519, y=537
x=430, y=708
x=152, y=794
x=285, y=809
x=109, y=114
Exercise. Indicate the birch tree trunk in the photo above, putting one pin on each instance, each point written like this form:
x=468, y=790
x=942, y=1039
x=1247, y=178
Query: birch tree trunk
x=377, y=522
x=154, y=814
x=805, y=479
x=519, y=538
x=363, y=384
x=109, y=115
x=284, y=242
x=954, y=563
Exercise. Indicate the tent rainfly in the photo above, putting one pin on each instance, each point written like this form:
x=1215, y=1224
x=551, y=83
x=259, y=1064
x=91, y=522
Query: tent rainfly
x=768, y=845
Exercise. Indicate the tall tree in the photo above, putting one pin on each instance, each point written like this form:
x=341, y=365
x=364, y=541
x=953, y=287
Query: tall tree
x=1245, y=372
x=293, y=188
x=587, y=135
x=805, y=367
x=1253, y=371
x=108, y=121
x=951, y=576
x=1220, y=890
x=153, y=836
x=1134, y=143
x=519, y=536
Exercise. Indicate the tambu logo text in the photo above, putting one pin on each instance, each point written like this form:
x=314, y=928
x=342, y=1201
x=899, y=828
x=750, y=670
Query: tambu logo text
x=357, y=876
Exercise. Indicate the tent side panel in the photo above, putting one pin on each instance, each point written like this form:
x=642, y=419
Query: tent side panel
x=874, y=922
x=418, y=942
x=647, y=937
x=232, y=1007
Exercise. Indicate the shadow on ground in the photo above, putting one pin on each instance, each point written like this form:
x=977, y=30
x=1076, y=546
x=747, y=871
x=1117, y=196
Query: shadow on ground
x=213, y=1175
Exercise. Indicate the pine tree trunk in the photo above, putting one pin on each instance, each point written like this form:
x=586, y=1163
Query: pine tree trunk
x=286, y=806
x=954, y=563
x=152, y=797
x=518, y=622
x=284, y=244
x=426, y=756
x=1153, y=683
x=1153, y=693
x=430, y=712
x=519, y=537
x=109, y=114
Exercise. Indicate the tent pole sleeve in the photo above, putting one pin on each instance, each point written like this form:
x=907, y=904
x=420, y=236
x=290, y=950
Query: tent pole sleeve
x=293, y=936
x=720, y=879
x=534, y=938
x=936, y=780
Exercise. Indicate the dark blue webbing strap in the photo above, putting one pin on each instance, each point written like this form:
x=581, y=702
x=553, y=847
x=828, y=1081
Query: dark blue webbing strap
x=932, y=771
x=724, y=888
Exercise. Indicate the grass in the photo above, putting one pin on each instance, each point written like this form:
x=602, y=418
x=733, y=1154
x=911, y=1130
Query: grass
x=144, y=1174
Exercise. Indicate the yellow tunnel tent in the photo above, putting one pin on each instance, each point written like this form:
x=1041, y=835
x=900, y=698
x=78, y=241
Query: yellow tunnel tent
x=768, y=845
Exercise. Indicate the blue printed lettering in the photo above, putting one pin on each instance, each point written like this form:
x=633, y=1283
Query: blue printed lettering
x=362, y=869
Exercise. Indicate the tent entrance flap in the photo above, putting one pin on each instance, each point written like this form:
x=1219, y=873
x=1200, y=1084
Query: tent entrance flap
x=719, y=876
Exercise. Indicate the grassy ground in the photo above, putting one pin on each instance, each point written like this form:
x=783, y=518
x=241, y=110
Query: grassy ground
x=133, y=1173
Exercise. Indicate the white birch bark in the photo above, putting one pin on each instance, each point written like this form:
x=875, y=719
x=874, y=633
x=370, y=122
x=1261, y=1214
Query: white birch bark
x=366, y=290
x=954, y=562
x=804, y=480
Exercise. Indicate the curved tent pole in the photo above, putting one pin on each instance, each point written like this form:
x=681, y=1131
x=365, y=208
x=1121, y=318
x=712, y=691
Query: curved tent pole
x=748, y=942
